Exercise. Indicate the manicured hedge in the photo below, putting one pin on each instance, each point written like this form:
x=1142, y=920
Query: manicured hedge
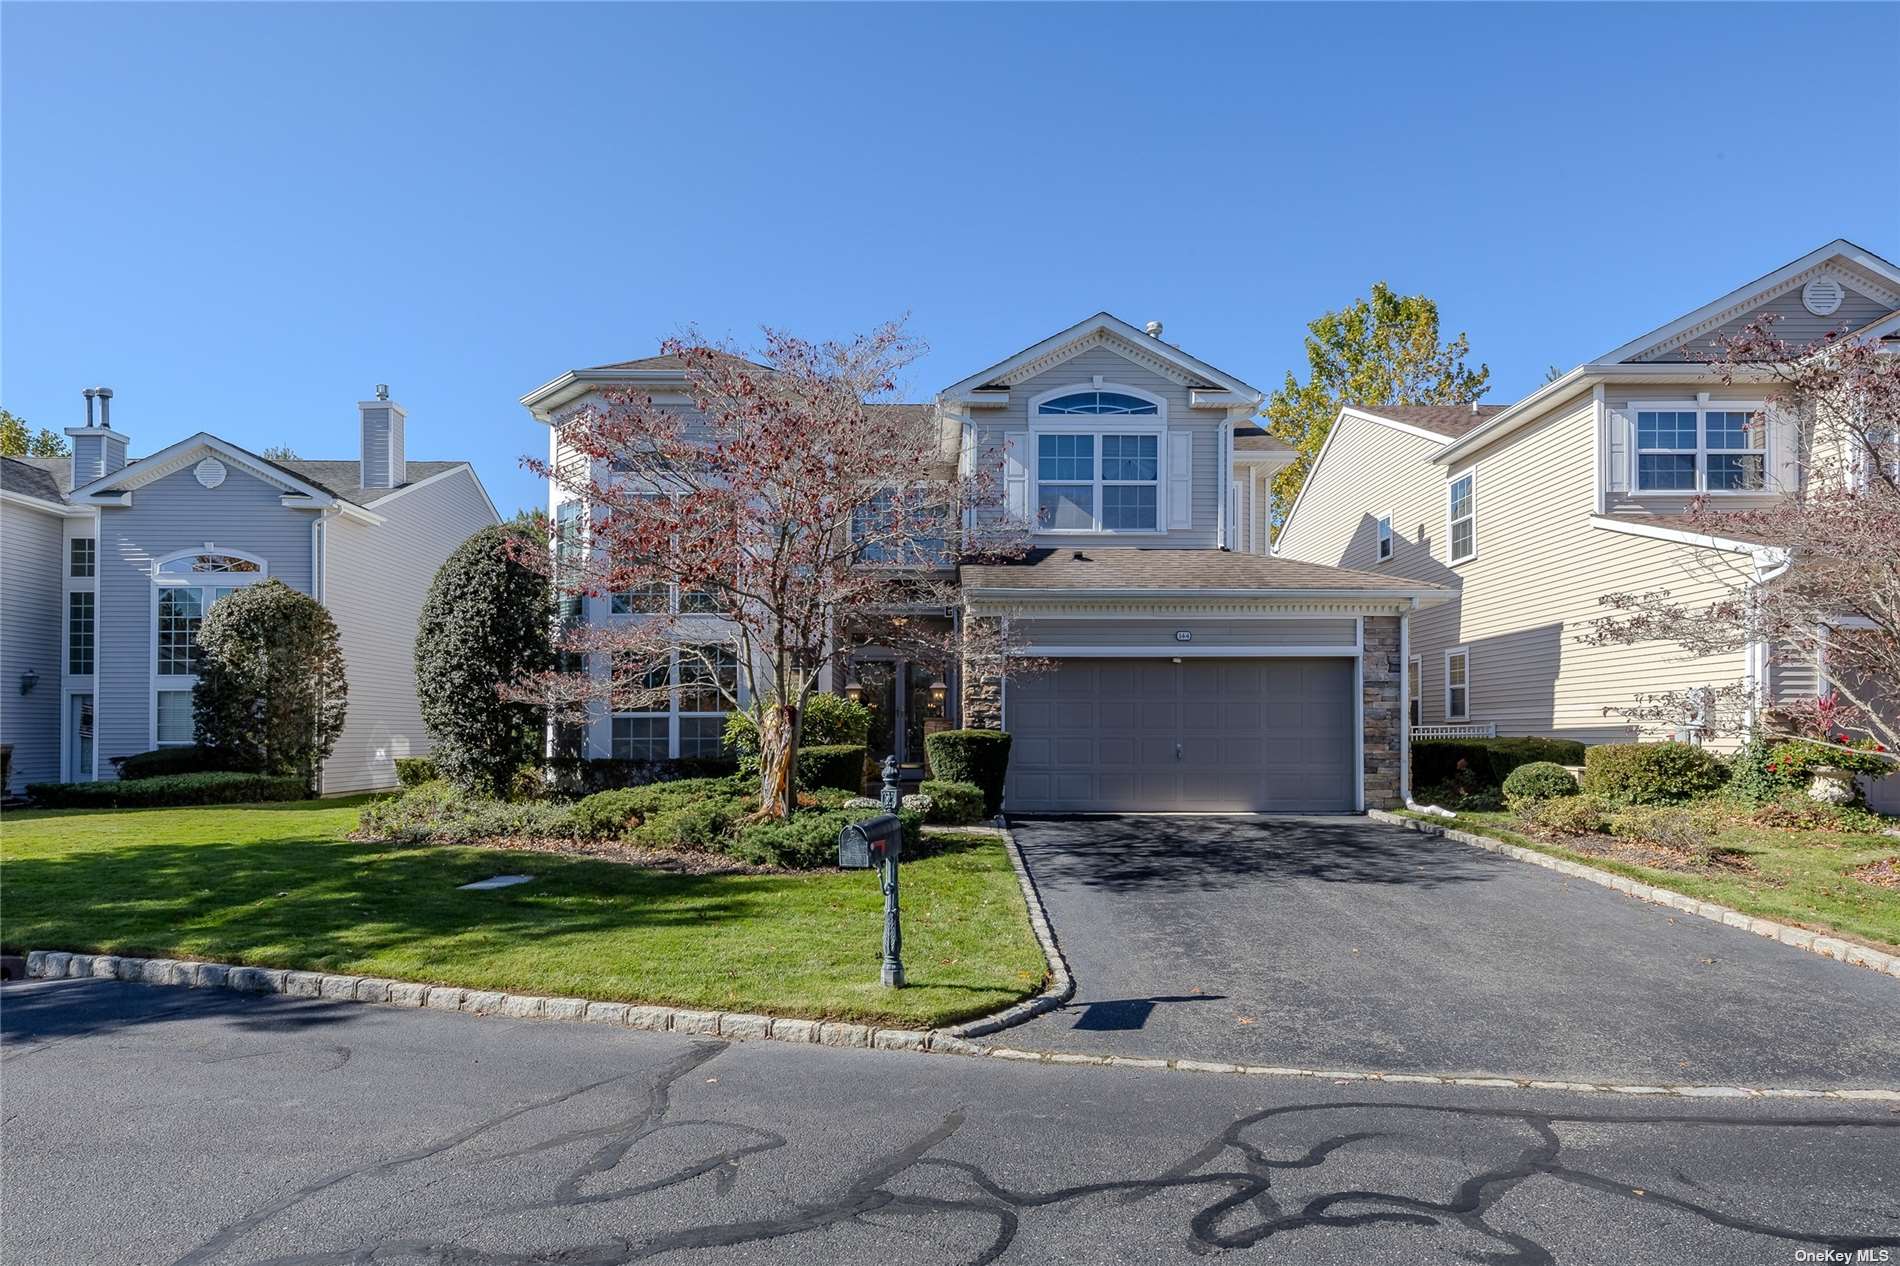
x=167, y=789
x=413, y=771
x=1650, y=773
x=810, y=840
x=839, y=765
x=952, y=803
x=164, y=761
x=978, y=757
x=1488, y=761
x=1536, y=782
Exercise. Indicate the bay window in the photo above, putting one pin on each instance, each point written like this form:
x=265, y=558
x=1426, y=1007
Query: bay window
x=1701, y=447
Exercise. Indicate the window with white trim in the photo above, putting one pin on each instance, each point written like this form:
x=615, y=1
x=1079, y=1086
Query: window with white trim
x=1461, y=515
x=1415, y=689
x=1385, y=537
x=79, y=632
x=187, y=585
x=85, y=554
x=689, y=719
x=1090, y=480
x=1702, y=447
x=1458, y=684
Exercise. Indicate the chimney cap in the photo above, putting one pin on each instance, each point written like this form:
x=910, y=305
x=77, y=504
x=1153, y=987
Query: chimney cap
x=382, y=391
x=1153, y=329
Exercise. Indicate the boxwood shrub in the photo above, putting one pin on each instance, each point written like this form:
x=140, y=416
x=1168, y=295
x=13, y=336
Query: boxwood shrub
x=168, y=789
x=839, y=765
x=1538, y=781
x=978, y=757
x=1488, y=761
x=1650, y=773
x=413, y=771
x=952, y=803
x=810, y=840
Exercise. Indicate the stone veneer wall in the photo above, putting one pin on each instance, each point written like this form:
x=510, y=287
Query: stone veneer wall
x=1383, y=711
x=981, y=691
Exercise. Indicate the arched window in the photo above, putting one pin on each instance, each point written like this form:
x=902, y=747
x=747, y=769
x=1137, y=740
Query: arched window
x=187, y=583
x=1096, y=403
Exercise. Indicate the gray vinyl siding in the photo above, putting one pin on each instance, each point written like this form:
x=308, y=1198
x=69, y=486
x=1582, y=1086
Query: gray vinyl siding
x=1161, y=633
x=89, y=455
x=382, y=446
x=375, y=580
x=174, y=513
x=1620, y=422
x=1209, y=484
x=1793, y=323
x=32, y=635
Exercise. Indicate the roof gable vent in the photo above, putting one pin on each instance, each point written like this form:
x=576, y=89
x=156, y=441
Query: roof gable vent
x=1823, y=296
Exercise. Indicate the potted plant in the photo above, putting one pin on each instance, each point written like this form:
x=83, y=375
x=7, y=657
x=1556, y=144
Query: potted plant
x=1832, y=766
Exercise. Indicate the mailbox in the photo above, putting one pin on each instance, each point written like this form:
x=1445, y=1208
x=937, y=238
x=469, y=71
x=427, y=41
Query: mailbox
x=871, y=842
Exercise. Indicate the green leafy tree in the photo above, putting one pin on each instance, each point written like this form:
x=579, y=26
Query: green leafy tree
x=271, y=693
x=1381, y=350
x=19, y=440
x=279, y=453
x=487, y=622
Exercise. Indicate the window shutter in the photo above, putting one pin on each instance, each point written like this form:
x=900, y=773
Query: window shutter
x=1016, y=474
x=1783, y=461
x=1622, y=443
x=1180, y=479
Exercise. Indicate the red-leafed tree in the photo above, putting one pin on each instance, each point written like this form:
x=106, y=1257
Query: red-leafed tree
x=1826, y=585
x=783, y=519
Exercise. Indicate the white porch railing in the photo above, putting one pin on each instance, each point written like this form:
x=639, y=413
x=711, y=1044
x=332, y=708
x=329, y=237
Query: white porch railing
x=1479, y=729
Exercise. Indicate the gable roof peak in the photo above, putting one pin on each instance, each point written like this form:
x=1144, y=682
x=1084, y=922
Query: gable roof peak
x=1103, y=327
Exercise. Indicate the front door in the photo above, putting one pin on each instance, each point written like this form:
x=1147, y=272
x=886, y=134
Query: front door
x=907, y=701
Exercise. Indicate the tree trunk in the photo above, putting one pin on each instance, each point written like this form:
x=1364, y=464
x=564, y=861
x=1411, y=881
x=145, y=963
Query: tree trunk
x=778, y=756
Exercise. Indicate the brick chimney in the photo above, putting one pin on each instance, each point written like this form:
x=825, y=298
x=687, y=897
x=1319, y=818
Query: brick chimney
x=382, y=461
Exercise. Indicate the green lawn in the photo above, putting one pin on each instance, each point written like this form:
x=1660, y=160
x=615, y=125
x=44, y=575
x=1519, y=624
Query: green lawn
x=283, y=886
x=1798, y=877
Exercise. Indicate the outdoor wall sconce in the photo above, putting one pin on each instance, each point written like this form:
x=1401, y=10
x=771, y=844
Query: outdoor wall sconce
x=29, y=679
x=854, y=689
x=938, y=689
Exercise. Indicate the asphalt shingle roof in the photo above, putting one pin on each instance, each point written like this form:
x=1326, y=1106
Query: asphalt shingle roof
x=342, y=478
x=48, y=478
x=1087, y=567
x=1249, y=438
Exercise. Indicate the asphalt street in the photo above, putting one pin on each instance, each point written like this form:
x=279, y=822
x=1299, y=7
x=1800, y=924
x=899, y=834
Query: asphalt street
x=153, y=1125
x=1348, y=944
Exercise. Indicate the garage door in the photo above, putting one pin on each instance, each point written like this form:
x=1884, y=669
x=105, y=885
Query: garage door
x=1151, y=735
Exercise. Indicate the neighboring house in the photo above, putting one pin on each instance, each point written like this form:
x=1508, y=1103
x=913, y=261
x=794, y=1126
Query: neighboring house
x=1192, y=670
x=110, y=564
x=1531, y=513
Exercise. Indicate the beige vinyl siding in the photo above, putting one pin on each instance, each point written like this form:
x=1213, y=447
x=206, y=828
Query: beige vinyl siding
x=1793, y=323
x=1534, y=583
x=376, y=577
x=1209, y=485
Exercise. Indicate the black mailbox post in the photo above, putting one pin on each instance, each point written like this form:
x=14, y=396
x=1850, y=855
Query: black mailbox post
x=879, y=842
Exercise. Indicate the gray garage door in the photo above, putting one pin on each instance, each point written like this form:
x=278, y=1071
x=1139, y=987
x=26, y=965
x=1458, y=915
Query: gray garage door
x=1134, y=735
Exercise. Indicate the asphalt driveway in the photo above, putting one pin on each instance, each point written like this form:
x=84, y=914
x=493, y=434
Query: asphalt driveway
x=1342, y=943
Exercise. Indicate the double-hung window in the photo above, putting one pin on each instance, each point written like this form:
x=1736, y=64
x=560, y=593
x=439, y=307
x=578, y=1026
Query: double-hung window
x=1097, y=478
x=187, y=585
x=1702, y=447
x=85, y=554
x=1385, y=537
x=1458, y=684
x=1461, y=516
x=678, y=705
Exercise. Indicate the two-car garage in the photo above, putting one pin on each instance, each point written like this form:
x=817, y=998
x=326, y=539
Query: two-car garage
x=1184, y=734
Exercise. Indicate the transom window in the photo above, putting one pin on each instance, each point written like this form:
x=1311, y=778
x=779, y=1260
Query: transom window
x=1696, y=448
x=200, y=564
x=1076, y=493
x=1462, y=516
x=1097, y=402
x=690, y=719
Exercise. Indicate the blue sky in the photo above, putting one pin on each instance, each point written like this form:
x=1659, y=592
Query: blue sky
x=242, y=217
